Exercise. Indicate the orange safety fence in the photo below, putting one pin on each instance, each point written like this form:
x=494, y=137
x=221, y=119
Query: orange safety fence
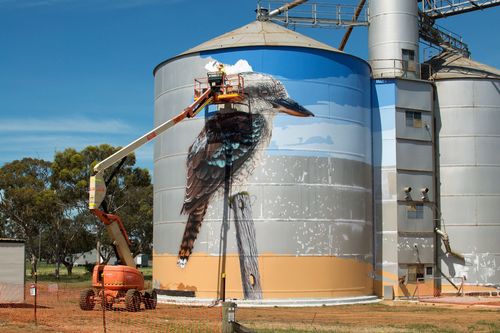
x=57, y=309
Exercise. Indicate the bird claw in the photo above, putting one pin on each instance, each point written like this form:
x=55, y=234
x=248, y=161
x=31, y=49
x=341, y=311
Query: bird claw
x=181, y=262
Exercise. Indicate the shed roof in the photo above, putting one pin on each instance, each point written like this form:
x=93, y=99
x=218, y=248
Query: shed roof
x=11, y=240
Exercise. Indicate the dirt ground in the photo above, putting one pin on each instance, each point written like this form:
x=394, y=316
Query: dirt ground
x=59, y=312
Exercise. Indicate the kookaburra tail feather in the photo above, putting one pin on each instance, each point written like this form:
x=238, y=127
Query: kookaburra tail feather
x=191, y=232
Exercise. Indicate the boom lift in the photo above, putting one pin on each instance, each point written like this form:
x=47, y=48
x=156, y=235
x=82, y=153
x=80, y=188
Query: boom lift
x=124, y=283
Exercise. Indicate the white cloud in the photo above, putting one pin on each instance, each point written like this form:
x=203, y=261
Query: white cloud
x=239, y=67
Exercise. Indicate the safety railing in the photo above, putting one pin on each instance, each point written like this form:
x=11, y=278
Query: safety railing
x=219, y=82
x=397, y=68
x=314, y=13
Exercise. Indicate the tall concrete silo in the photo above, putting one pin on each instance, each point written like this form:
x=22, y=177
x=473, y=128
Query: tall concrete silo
x=311, y=190
x=468, y=127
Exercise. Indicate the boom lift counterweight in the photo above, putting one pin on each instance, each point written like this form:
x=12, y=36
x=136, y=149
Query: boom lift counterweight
x=124, y=283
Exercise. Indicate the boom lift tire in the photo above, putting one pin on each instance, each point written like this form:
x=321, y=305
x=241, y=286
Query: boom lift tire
x=108, y=306
x=133, y=300
x=150, y=299
x=87, y=302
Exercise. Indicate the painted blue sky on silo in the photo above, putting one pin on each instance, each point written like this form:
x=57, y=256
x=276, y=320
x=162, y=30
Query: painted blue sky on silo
x=334, y=86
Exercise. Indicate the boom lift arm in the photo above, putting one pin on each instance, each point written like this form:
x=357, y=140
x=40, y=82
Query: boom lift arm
x=124, y=283
x=97, y=190
x=217, y=88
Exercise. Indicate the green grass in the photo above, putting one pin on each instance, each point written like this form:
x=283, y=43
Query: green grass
x=399, y=308
x=424, y=328
x=485, y=326
x=46, y=273
x=287, y=330
x=148, y=272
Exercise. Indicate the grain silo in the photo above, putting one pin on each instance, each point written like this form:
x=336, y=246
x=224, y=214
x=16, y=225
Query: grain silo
x=393, y=38
x=468, y=132
x=435, y=156
x=311, y=189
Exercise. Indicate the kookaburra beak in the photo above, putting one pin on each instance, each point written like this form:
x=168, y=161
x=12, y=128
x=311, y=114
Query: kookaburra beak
x=291, y=107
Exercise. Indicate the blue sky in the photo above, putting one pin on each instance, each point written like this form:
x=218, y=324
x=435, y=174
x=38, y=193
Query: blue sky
x=79, y=72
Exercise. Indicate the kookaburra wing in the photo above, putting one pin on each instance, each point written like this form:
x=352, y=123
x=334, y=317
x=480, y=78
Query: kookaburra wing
x=231, y=137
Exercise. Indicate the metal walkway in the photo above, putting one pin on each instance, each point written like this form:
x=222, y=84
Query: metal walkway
x=444, y=8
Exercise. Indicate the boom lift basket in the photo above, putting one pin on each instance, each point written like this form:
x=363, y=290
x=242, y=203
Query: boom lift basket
x=226, y=88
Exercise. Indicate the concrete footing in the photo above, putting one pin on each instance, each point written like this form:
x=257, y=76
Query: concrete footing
x=302, y=302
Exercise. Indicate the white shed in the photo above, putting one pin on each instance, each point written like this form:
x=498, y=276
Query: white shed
x=12, y=270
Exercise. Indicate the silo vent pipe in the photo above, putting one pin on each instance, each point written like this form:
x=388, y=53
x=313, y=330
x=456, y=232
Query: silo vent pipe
x=446, y=242
x=285, y=7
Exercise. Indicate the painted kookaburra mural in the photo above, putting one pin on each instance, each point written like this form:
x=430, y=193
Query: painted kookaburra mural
x=234, y=136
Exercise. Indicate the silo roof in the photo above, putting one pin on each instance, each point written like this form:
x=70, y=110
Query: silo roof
x=11, y=240
x=259, y=33
x=449, y=65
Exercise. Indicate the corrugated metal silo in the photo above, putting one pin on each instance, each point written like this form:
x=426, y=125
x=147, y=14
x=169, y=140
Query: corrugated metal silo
x=469, y=163
x=393, y=38
x=311, y=190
